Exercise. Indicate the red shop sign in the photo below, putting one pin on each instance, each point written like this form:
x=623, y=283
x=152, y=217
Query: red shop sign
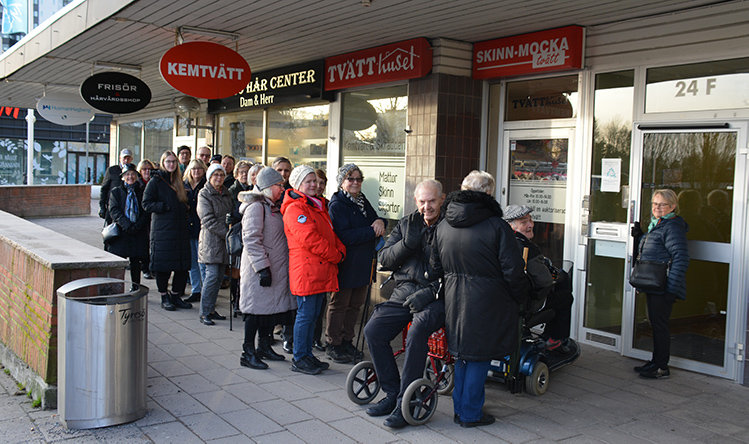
x=559, y=49
x=409, y=59
x=204, y=69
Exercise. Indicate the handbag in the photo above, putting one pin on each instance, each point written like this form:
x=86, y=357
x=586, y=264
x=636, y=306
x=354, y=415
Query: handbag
x=110, y=232
x=649, y=276
x=234, y=240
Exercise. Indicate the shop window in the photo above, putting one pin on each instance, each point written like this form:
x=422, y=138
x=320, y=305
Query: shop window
x=241, y=134
x=612, y=139
x=551, y=98
x=157, y=137
x=374, y=138
x=300, y=134
x=715, y=85
x=130, y=137
x=12, y=161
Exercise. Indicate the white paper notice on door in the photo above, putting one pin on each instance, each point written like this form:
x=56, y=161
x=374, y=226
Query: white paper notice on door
x=611, y=173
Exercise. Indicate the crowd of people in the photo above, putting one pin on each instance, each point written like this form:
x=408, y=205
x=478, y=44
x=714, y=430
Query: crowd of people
x=458, y=261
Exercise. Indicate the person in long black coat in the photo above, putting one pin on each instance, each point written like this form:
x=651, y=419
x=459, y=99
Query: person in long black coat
x=356, y=223
x=485, y=286
x=126, y=210
x=166, y=200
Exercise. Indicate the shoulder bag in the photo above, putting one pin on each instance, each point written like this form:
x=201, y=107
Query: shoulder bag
x=649, y=276
x=110, y=232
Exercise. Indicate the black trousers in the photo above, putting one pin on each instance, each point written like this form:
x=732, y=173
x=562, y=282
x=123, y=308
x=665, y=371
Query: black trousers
x=135, y=267
x=178, y=283
x=561, y=301
x=389, y=319
x=257, y=326
x=659, y=312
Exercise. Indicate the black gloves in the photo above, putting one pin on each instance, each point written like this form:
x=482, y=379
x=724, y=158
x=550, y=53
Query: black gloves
x=412, y=236
x=101, y=213
x=265, y=279
x=636, y=230
x=419, y=299
x=229, y=219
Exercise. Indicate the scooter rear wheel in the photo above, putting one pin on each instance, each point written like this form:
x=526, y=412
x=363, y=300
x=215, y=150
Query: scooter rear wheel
x=537, y=382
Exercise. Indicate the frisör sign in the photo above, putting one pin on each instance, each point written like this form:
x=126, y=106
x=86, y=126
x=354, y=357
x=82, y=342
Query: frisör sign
x=409, y=59
x=204, y=69
x=559, y=49
x=115, y=92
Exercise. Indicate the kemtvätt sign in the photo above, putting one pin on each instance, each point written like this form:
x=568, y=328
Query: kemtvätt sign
x=559, y=49
x=204, y=69
x=409, y=59
x=115, y=92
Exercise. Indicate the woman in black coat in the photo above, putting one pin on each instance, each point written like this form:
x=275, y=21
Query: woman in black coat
x=484, y=288
x=166, y=200
x=357, y=225
x=665, y=242
x=126, y=210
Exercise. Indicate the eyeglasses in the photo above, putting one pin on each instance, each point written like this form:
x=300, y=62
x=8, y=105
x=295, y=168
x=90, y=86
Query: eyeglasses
x=355, y=179
x=661, y=205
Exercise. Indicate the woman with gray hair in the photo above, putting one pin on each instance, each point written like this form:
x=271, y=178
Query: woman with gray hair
x=264, y=273
x=484, y=289
x=356, y=223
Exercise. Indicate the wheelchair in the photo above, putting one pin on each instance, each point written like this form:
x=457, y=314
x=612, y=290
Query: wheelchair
x=420, y=398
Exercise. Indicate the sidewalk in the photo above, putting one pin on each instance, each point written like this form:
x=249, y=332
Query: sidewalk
x=198, y=392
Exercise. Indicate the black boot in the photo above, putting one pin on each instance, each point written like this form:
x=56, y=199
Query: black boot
x=178, y=302
x=166, y=304
x=265, y=351
x=250, y=359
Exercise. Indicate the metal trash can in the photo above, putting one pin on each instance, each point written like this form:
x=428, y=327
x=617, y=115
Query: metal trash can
x=101, y=352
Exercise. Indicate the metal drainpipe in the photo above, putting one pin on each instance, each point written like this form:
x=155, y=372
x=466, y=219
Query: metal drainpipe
x=30, y=119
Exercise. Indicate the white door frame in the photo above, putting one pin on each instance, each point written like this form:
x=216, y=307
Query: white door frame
x=737, y=285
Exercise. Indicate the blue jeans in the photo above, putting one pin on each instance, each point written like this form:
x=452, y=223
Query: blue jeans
x=468, y=393
x=214, y=273
x=308, y=307
x=197, y=270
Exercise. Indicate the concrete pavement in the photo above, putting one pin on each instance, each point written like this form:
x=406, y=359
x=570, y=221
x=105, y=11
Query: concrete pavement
x=198, y=392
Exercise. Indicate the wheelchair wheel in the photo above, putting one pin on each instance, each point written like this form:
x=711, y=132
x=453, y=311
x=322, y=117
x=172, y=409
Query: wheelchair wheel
x=538, y=381
x=417, y=406
x=445, y=386
x=362, y=384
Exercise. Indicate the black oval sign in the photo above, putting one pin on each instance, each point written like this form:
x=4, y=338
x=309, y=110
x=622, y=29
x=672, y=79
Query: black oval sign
x=115, y=92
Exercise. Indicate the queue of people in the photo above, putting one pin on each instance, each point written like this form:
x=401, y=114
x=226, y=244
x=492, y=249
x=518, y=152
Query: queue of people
x=458, y=261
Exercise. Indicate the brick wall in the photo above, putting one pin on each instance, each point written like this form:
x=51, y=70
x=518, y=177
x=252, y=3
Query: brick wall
x=46, y=200
x=444, y=112
x=28, y=306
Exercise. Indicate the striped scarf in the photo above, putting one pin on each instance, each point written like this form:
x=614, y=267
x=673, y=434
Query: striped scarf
x=358, y=200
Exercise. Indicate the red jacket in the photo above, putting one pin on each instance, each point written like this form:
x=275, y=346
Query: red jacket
x=314, y=249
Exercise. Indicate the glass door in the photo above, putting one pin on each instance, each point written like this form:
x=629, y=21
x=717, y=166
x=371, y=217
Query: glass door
x=704, y=169
x=536, y=175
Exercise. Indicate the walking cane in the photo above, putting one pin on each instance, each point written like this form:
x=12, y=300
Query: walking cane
x=364, y=312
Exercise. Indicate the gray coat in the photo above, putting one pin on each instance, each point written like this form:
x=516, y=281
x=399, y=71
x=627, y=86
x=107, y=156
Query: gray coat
x=212, y=210
x=264, y=246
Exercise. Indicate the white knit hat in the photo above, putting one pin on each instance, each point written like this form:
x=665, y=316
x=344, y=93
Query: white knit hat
x=212, y=169
x=298, y=174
